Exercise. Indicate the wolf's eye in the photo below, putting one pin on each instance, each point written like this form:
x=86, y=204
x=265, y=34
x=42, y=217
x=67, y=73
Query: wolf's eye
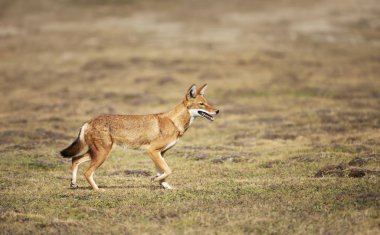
x=201, y=103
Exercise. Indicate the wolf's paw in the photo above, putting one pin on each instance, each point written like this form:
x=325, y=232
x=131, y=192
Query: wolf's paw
x=99, y=190
x=165, y=185
x=73, y=185
x=153, y=178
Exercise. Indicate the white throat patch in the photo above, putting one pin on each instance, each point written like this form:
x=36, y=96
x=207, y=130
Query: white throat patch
x=191, y=120
x=193, y=114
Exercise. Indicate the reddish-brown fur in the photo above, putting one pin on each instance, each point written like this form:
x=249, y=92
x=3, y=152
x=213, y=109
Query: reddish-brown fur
x=153, y=132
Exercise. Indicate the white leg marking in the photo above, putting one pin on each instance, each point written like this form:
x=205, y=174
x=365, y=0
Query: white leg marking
x=161, y=176
x=76, y=166
x=165, y=185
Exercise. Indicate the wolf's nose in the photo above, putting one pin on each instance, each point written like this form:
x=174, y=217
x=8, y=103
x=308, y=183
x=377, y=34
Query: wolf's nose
x=217, y=111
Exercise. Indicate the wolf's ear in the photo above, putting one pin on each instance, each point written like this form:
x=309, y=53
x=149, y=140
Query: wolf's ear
x=191, y=93
x=201, y=91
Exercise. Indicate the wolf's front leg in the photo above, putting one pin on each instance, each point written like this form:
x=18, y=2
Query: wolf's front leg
x=163, y=168
x=163, y=182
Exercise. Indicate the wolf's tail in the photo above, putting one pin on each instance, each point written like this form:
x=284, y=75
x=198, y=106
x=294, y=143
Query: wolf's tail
x=78, y=147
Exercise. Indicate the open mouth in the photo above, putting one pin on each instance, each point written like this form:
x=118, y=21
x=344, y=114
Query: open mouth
x=206, y=115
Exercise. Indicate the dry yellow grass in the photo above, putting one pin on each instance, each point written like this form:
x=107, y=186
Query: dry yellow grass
x=297, y=83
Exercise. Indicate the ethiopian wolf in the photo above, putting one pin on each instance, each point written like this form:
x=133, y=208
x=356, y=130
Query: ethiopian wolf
x=155, y=133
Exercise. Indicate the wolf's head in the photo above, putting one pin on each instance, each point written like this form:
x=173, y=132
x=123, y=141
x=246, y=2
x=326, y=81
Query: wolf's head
x=197, y=105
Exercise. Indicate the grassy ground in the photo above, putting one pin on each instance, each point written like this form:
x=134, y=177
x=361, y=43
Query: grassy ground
x=295, y=150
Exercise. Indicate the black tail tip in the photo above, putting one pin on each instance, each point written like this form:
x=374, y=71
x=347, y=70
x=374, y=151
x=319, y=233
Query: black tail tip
x=64, y=153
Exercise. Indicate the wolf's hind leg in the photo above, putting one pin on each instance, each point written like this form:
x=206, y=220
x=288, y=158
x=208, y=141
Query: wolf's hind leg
x=98, y=156
x=76, y=161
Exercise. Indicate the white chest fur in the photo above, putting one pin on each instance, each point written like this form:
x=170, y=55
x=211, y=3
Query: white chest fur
x=191, y=120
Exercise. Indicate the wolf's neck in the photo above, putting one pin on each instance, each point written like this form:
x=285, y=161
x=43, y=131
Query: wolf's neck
x=180, y=116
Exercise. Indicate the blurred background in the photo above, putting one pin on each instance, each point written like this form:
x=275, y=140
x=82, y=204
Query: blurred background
x=297, y=83
x=313, y=65
x=66, y=59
